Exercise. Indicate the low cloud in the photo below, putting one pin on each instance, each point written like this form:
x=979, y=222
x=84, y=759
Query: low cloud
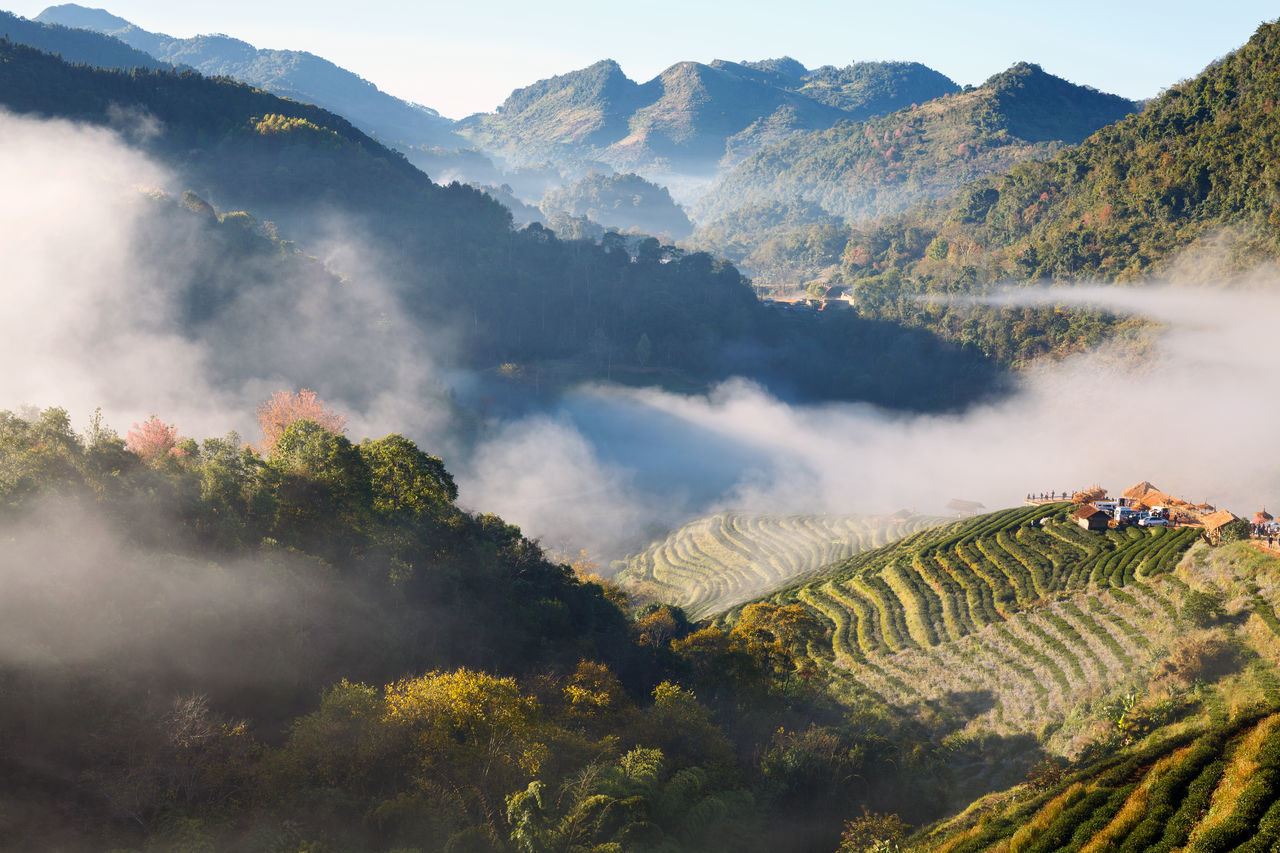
x=98, y=277
x=93, y=318
x=1195, y=414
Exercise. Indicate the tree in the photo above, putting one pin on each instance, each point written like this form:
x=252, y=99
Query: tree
x=407, y=481
x=471, y=732
x=286, y=408
x=154, y=440
x=323, y=487
x=1203, y=608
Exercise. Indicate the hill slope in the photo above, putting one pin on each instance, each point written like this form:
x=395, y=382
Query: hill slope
x=1187, y=757
x=715, y=563
x=620, y=201
x=76, y=45
x=998, y=623
x=1195, y=164
x=861, y=171
x=293, y=74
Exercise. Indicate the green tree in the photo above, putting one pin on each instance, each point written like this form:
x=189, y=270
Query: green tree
x=323, y=488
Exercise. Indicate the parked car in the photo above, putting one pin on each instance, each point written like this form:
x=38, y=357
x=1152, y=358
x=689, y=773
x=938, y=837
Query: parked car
x=1154, y=522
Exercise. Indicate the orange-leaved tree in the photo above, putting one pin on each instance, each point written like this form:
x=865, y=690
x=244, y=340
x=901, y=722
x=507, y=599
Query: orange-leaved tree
x=286, y=408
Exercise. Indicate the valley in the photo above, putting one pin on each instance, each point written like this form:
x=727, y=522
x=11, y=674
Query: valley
x=638, y=466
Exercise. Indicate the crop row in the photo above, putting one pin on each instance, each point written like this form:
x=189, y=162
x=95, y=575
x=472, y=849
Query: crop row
x=1215, y=791
x=1018, y=673
x=953, y=582
x=717, y=562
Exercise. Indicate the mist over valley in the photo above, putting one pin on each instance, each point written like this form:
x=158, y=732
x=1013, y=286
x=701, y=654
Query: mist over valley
x=758, y=457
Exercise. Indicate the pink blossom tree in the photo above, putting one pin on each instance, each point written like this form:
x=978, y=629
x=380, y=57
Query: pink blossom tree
x=153, y=439
x=286, y=408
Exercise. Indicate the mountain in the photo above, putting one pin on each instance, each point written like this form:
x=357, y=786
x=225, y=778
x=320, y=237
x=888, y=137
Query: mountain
x=1190, y=176
x=1196, y=161
x=692, y=116
x=76, y=44
x=293, y=74
x=861, y=171
x=451, y=255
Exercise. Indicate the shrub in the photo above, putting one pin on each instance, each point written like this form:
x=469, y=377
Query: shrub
x=1203, y=608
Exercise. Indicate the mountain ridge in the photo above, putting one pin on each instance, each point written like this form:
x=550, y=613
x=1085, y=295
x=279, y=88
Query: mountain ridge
x=299, y=75
x=684, y=118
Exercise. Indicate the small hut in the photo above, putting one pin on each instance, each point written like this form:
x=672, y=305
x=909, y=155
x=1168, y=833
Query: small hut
x=1138, y=491
x=1214, y=522
x=1091, y=518
x=1145, y=496
x=1088, y=496
x=1263, y=517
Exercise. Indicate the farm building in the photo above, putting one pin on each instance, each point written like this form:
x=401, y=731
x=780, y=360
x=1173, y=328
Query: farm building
x=1091, y=518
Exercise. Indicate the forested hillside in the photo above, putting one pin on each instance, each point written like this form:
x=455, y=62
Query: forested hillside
x=304, y=643
x=624, y=202
x=1193, y=169
x=514, y=297
x=76, y=45
x=862, y=171
x=293, y=74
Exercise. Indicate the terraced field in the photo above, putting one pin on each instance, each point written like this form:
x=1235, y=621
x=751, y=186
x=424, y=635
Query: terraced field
x=715, y=563
x=1200, y=791
x=1005, y=620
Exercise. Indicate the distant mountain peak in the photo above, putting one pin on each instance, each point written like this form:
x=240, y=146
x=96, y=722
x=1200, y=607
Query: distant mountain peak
x=295, y=74
x=783, y=65
x=82, y=17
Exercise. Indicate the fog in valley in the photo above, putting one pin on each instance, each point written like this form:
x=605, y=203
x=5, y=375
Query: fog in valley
x=94, y=320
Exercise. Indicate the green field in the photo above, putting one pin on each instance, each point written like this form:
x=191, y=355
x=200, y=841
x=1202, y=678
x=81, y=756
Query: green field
x=721, y=561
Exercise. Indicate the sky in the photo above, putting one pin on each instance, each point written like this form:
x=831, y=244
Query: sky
x=462, y=58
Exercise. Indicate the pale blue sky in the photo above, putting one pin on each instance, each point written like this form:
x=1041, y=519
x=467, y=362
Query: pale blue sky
x=464, y=57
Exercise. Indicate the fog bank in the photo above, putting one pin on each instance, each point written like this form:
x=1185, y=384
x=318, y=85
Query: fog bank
x=95, y=268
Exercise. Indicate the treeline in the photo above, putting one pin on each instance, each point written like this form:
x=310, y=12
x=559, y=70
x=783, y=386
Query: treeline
x=306, y=644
